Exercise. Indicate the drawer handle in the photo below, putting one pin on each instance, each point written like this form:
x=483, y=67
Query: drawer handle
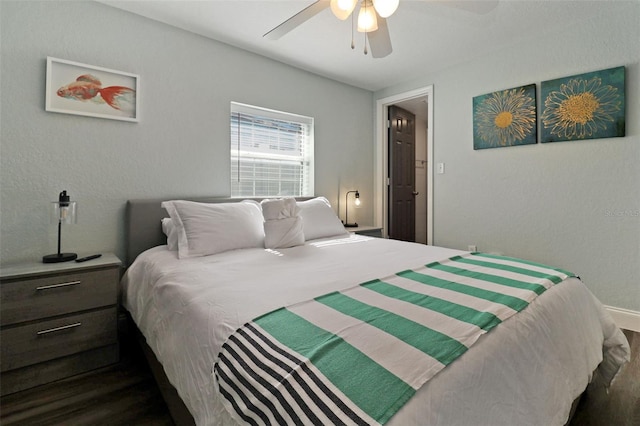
x=48, y=287
x=64, y=327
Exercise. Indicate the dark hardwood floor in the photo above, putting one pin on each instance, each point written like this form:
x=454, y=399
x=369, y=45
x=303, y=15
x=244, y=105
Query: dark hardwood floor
x=126, y=394
x=122, y=394
x=621, y=407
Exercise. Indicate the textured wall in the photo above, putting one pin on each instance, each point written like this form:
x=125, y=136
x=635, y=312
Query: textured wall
x=181, y=145
x=572, y=204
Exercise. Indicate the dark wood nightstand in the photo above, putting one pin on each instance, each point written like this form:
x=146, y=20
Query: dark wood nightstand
x=370, y=231
x=57, y=320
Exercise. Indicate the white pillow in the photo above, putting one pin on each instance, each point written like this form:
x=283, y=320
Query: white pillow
x=282, y=226
x=319, y=220
x=169, y=230
x=210, y=228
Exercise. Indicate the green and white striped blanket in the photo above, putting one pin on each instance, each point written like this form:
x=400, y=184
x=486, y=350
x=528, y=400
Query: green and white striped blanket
x=358, y=355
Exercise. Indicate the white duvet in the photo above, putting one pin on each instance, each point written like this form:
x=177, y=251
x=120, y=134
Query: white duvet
x=527, y=371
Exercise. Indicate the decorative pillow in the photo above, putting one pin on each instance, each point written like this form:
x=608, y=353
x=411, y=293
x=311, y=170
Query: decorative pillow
x=282, y=226
x=319, y=220
x=169, y=230
x=280, y=208
x=209, y=228
x=283, y=233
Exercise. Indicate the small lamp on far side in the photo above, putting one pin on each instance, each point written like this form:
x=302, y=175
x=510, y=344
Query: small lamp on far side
x=63, y=211
x=346, y=209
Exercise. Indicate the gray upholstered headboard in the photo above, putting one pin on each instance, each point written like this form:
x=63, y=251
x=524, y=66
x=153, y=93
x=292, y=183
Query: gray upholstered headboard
x=143, y=222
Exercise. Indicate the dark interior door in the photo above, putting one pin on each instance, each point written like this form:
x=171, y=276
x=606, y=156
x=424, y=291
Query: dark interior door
x=402, y=174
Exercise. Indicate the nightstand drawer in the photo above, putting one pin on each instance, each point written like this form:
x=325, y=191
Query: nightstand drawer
x=35, y=298
x=44, y=340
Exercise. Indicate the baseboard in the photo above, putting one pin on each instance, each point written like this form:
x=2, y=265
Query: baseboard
x=625, y=318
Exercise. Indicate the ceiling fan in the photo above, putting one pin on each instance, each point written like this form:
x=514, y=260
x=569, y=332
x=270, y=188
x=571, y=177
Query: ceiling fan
x=372, y=18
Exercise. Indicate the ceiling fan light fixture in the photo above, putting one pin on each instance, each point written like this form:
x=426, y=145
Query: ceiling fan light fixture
x=343, y=8
x=367, y=20
x=385, y=8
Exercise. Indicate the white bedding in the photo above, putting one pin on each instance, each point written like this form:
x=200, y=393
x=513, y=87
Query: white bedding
x=526, y=371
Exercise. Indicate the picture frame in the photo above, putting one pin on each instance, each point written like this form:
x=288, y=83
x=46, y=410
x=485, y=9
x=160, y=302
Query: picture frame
x=88, y=90
x=505, y=118
x=584, y=106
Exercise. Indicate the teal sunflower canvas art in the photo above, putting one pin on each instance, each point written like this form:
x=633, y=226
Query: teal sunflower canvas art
x=584, y=106
x=505, y=118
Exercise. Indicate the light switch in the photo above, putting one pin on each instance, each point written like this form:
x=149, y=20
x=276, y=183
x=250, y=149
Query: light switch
x=440, y=168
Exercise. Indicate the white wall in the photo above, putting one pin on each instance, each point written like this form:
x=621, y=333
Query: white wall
x=181, y=145
x=571, y=204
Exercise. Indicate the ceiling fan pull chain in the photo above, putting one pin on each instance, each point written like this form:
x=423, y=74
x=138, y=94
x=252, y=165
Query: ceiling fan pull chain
x=364, y=4
x=365, y=43
x=353, y=43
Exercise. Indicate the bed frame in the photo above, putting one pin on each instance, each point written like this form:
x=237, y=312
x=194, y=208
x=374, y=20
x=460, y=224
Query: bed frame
x=143, y=218
x=144, y=231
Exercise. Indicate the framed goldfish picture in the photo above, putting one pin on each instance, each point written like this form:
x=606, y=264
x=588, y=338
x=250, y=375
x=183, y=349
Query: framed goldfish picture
x=75, y=88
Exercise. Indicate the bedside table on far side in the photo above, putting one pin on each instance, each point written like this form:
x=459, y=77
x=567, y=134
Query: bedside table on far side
x=57, y=320
x=369, y=231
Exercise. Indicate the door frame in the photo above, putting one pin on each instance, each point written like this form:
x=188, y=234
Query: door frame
x=381, y=171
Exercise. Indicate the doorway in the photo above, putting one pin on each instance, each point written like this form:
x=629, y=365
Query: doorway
x=420, y=103
x=402, y=175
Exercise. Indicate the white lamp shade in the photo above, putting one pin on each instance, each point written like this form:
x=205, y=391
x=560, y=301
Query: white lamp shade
x=343, y=8
x=367, y=20
x=385, y=8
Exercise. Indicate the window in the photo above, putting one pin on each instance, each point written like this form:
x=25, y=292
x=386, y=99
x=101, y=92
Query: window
x=271, y=153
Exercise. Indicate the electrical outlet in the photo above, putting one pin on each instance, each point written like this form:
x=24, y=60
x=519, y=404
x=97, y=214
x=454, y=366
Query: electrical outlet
x=472, y=248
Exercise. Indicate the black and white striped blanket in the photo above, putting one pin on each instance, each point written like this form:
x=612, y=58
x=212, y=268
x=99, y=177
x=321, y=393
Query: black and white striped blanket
x=358, y=355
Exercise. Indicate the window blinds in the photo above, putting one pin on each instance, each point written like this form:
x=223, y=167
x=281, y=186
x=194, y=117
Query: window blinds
x=271, y=153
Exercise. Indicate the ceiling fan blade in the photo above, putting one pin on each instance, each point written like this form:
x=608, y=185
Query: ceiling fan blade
x=297, y=19
x=379, y=40
x=475, y=6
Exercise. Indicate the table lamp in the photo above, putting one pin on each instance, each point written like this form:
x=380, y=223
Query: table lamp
x=63, y=211
x=346, y=209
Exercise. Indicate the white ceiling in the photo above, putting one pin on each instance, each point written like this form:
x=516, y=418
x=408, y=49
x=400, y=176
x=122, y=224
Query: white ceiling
x=427, y=36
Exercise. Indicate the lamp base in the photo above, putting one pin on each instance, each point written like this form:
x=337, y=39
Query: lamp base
x=59, y=257
x=350, y=225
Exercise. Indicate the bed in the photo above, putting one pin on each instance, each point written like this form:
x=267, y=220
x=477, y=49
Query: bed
x=189, y=305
